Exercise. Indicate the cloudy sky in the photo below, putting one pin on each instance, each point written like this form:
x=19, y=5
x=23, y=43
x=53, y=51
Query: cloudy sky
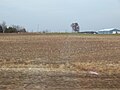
x=57, y=15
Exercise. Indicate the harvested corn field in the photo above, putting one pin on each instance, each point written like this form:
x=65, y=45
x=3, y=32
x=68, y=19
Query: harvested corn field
x=59, y=62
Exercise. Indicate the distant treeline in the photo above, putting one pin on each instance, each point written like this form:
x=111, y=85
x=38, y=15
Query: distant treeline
x=11, y=29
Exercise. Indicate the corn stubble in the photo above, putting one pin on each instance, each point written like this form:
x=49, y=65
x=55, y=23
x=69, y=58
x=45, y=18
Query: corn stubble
x=92, y=60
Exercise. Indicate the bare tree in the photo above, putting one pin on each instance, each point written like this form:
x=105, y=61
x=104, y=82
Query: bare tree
x=19, y=28
x=1, y=30
x=75, y=27
x=3, y=25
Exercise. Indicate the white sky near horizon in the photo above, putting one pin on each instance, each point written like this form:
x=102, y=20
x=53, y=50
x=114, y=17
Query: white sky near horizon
x=57, y=15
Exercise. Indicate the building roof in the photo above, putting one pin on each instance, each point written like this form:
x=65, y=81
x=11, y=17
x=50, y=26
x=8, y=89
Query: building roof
x=108, y=29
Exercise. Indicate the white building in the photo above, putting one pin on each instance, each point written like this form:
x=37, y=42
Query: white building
x=109, y=31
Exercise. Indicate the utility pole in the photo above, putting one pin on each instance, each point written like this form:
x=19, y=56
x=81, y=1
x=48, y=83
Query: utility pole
x=38, y=28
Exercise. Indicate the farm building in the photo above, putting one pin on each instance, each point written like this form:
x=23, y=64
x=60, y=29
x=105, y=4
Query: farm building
x=109, y=31
x=89, y=32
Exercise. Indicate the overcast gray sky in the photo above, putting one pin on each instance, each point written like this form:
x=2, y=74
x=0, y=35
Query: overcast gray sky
x=57, y=15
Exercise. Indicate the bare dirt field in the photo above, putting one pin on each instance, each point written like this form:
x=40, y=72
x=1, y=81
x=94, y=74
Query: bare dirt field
x=59, y=62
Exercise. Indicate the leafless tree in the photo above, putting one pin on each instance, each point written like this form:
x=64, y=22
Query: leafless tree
x=4, y=26
x=75, y=27
x=19, y=28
